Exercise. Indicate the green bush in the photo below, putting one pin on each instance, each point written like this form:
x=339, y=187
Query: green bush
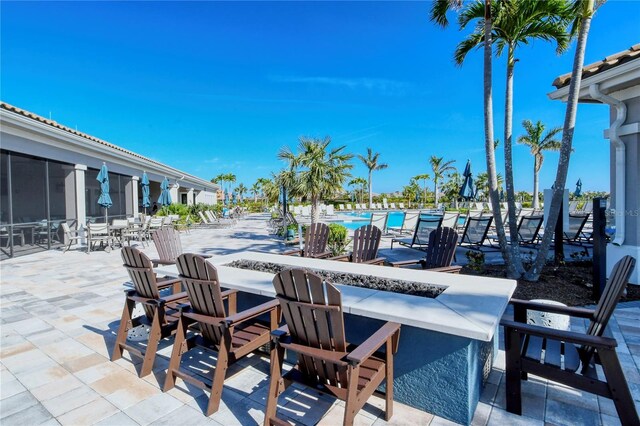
x=338, y=239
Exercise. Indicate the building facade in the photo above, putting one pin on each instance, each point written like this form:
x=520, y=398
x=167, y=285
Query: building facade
x=48, y=176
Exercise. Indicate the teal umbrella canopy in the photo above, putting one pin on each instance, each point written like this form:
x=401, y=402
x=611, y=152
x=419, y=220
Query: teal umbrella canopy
x=146, y=199
x=103, y=177
x=165, y=197
x=467, y=190
x=578, y=192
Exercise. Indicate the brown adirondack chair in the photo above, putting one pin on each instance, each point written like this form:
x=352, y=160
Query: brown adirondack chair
x=366, y=241
x=566, y=351
x=161, y=313
x=315, y=242
x=232, y=335
x=168, y=245
x=315, y=332
x=440, y=251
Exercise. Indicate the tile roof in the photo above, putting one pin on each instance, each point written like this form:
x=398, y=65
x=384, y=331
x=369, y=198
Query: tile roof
x=597, y=67
x=36, y=117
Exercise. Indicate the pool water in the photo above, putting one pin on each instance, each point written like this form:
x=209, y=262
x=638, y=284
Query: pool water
x=394, y=219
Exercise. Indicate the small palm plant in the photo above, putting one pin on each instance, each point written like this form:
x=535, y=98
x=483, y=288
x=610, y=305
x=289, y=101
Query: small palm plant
x=424, y=178
x=439, y=168
x=538, y=143
x=372, y=164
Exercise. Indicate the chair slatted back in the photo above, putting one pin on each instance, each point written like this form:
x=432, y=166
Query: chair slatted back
x=410, y=220
x=476, y=230
x=576, y=223
x=98, y=229
x=613, y=292
x=442, y=247
x=142, y=276
x=424, y=228
x=313, y=312
x=529, y=227
x=156, y=222
x=366, y=241
x=200, y=279
x=379, y=220
x=450, y=219
x=315, y=242
x=167, y=242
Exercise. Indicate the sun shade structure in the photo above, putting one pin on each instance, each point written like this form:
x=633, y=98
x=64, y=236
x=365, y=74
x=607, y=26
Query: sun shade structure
x=105, y=199
x=467, y=191
x=165, y=197
x=146, y=200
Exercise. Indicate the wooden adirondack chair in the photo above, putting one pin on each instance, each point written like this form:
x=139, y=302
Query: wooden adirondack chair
x=315, y=332
x=440, y=251
x=366, y=241
x=161, y=313
x=566, y=351
x=168, y=245
x=315, y=242
x=232, y=335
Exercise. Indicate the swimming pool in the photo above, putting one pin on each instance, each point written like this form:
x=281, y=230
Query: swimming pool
x=394, y=219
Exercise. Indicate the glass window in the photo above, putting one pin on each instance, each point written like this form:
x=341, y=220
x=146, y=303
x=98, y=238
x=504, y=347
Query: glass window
x=117, y=184
x=61, y=194
x=28, y=189
x=4, y=188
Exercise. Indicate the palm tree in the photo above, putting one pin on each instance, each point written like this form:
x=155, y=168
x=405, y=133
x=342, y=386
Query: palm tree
x=241, y=190
x=360, y=184
x=482, y=183
x=410, y=192
x=517, y=22
x=255, y=190
x=231, y=179
x=321, y=172
x=371, y=163
x=439, y=169
x=538, y=143
x=424, y=178
x=220, y=179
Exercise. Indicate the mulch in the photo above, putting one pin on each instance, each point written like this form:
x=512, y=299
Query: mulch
x=570, y=283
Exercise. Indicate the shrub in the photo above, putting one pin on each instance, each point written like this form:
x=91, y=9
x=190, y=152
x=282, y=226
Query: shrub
x=338, y=239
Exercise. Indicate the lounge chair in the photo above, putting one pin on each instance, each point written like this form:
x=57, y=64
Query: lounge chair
x=393, y=206
x=378, y=206
x=573, y=206
x=366, y=241
x=341, y=207
x=526, y=211
x=160, y=313
x=566, y=352
x=349, y=207
x=379, y=220
x=401, y=205
x=587, y=207
x=409, y=222
x=420, y=238
x=385, y=204
x=576, y=235
x=475, y=232
x=330, y=210
x=529, y=229
x=441, y=250
x=220, y=329
x=315, y=242
x=450, y=219
x=314, y=330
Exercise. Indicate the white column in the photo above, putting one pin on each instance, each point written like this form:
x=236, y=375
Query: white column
x=134, y=194
x=190, y=197
x=81, y=208
x=174, y=193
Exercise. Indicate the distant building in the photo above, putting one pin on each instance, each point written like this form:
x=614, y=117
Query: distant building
x=615, y=81
x=48, y=176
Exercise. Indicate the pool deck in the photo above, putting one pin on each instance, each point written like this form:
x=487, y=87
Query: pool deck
x=59, y=314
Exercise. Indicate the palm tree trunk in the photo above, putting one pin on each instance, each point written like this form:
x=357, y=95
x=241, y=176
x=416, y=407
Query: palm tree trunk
x=567, y=138
x=435, y=191
x=508, y=166
x=315, y=211
x=489, y=143
x=536, y=202
x=370, y=190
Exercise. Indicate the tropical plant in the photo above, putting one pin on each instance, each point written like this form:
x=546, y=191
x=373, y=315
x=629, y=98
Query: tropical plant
x=482, y=183
x=255, y=190
x=271, y=189
x=371, y=162
x=517, y=22
x=583, y=11
x=538, y=142
x=360, y=185
x=451, y=188
x=439, y=169
x=321, y=172
x=338, y=239
x=424, y=178
x=240, y=191
x=410, y=192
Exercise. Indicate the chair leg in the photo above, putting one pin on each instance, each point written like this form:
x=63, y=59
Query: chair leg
x=351, y=407
x=179, y=348
x=220, y=372
x=513, y=371
x=152, y=345
x=125, y=325
x=276, y=383
x=619, y=388
x=389, y=381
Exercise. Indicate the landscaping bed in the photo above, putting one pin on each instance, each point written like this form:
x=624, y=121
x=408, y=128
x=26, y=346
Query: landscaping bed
x=570, y=283
x=366, y=281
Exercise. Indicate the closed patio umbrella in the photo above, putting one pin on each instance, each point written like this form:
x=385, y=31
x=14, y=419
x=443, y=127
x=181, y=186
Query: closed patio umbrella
x=165, y=197
x=105, y=199
x=578, y=192
x=146, y=199
x=467, y=191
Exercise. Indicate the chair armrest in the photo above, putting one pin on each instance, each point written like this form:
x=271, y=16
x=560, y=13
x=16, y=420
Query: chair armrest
x=280, y=332
x=205, y=319
x=167, y=281
x=401, y=263
x=228, y=293
x=253, y=312
x=174, y=297
x=567, y=310
x=373, y=343
x=292, y=252
x=341, y=258
x=562, y=335
x=448, y=269
x=333, y=357
x=323, y=255
x=376, y=261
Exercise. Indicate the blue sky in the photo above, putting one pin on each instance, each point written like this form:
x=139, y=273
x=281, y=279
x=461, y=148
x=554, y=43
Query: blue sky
x=212, y=87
